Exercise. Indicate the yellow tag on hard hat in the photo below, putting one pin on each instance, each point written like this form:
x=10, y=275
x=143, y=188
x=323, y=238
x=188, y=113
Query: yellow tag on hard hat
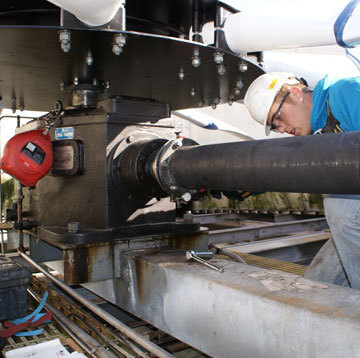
x=273, y=83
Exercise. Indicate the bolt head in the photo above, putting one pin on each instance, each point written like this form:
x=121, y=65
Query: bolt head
x=181, y=75
x=74, y=227
x=243, y=66
x=221, y=70
x=65, y=46
x=218, y=57
x=76, y=81
x=116, y=50
x=196, y=61
x=237, y=91
x=239, y=84
x=186, y=197
x=193, y=92
x=89, y=60
x=64, y=36
x=94, y=82
x=120, y=40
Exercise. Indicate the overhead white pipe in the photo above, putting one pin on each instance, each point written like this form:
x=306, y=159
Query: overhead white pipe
x=313, y=67
x=277, y=25
x=92, y=13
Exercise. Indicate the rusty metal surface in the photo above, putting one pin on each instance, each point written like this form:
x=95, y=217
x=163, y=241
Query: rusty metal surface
x=284, y=314
x=108, y=337
x=101, y=261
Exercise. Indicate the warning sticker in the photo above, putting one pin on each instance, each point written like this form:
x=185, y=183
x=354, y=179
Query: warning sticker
x=64, y=133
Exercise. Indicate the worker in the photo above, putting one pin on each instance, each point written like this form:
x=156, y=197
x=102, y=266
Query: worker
x=281, y=102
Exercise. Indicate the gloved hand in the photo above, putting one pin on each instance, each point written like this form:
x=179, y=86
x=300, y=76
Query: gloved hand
x=239, y=195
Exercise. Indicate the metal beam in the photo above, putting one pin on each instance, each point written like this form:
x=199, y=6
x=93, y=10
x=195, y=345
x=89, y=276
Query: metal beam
x=264, y=231
x=274, y=244
x=243, y=312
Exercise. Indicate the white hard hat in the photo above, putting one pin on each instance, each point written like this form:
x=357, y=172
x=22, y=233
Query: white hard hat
x=261, y=94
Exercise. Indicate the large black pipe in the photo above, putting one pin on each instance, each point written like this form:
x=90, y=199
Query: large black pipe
x=327, y=163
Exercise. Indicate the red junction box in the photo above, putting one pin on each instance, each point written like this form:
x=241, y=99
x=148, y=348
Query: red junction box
x=28, y=157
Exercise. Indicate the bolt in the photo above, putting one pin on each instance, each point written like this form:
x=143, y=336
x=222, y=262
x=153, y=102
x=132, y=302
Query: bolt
x=95, y=82
x=176, y=145
x=116, y=50
x=107, y=86
x=196, y=61
x=192, y=93
x=173, y=188
x=239, y=84
x=76, y=81
x=130, y=139
x=65, y=40
x=237, y=91
x=73, y=226
x=119, y=42
x=243, y=66
x=221, y=70
x=215, y=102
x=89, y=59
x=186, y=197
x=181, y=74
x=218, y=57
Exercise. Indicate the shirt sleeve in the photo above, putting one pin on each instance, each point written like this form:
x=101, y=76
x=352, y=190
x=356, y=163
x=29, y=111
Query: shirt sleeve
x=344, y=102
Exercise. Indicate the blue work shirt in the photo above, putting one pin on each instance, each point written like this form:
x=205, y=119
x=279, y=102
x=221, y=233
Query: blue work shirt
x=344, y=102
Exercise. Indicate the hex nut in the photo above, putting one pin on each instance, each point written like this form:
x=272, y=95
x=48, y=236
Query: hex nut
x=218, y=57
x=221, y=70
x=74, y=227
x=116, y=49
x=196, y=61
x=243, y=66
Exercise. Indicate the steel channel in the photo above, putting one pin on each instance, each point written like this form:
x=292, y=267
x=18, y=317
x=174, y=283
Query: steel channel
x=213, y=218
x=274, y=244
x=259, y=232
x=130, y=333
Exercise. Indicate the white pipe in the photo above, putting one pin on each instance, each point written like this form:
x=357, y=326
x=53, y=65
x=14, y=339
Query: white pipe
x=279, y=26
x=313, y=67
x=91, y=12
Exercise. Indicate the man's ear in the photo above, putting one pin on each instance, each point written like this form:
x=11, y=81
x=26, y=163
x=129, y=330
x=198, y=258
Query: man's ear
x=297, y=93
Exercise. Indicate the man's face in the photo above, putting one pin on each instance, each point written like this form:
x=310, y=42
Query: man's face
x=291, y=114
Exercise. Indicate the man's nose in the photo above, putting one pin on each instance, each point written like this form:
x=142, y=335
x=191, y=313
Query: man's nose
x=281, y=128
